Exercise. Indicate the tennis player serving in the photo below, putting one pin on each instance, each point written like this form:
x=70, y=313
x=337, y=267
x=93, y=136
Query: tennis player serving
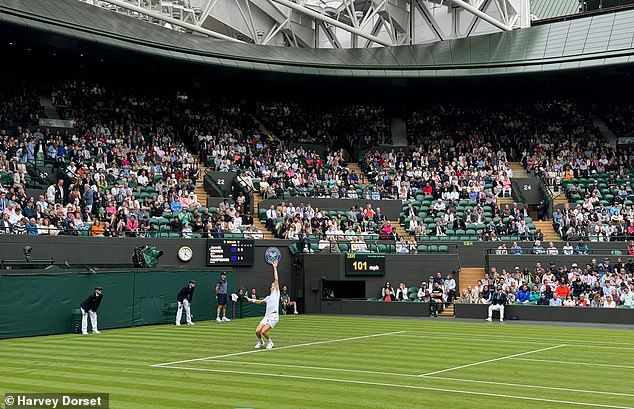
x=271, y=317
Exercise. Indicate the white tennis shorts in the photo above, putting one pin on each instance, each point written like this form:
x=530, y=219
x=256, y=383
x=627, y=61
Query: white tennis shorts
x=270, y=319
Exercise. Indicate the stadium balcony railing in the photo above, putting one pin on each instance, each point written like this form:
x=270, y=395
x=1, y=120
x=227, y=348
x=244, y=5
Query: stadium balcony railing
x=374, y=245
x=593, y=253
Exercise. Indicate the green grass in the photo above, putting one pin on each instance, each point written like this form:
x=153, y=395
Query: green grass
x=552, y=367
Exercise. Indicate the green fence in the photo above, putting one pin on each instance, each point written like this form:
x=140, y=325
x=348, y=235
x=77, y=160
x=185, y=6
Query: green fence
x=43, y=304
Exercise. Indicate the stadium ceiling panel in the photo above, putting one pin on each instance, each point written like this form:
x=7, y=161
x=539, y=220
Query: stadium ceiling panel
x=595, y=41
x=329, y=23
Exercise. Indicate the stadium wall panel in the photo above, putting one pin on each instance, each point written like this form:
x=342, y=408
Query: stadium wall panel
x=409, y=269
x=47, y=303
x=545, y=313
x=117, y=253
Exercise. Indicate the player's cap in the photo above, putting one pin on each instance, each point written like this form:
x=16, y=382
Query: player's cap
x=99, y=288
x=223, y=273
x=192, y=281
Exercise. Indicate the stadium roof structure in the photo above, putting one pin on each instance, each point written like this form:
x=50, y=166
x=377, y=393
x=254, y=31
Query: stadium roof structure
x=594, y=41
x=330, y=23
x=545, y=9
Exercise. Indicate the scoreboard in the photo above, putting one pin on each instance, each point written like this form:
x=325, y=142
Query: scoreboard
x=365, y=264
x=230, y=252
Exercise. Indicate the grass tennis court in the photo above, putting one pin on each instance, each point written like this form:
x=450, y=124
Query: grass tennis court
x=332, y=362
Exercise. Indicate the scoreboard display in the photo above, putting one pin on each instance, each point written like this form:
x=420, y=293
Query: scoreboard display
x=365, y=264
x=230, y=252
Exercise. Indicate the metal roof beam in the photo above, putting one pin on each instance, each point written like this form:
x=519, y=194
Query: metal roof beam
x=479, y=13
x=331, y=21
x=171, y=20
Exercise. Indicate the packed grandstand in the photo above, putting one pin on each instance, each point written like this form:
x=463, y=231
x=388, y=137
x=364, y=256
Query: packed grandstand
x=131, y=164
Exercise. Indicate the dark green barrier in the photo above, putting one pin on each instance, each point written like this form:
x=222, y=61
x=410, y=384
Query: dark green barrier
x=43, y=304
x=245, y=309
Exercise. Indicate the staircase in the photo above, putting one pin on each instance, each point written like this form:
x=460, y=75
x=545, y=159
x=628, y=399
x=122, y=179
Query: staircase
x=547, y=228
x=201, y=194
x=518, y=170
x=362, y=177
x=257, y=198
x=399, y=132
x=605, y=131
x=49, y=109
x=560, y=199
x=447, y=312
x=469, y=276
x=505, y=201
x=399, y=229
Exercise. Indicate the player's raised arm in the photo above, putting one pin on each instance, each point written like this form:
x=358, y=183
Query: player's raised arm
x=276, y=283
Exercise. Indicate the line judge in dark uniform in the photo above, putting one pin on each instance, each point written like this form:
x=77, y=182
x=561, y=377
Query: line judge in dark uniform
x=184, y=299
x=89, y=309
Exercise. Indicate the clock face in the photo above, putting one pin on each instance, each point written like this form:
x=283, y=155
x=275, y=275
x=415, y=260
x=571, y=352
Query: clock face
x=185, y=253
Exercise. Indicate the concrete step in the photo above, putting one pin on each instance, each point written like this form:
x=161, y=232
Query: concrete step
x=518, y=170
x=448, y=311
x=469, y=276
x=399, y=229
x=363, y=178
x=547, y=229
x=49, y=109
x=257, y=198
x=505, y=201
x=560, y=198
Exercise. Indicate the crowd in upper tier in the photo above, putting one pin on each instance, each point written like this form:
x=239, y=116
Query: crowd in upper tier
x=129, y=166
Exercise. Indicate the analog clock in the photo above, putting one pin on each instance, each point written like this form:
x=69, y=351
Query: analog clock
x=185, y=253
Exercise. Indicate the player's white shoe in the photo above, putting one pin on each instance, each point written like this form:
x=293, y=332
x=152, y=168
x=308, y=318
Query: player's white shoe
x=84, y=333
x=295, y=313
x=489, y=319
x=218, y=319
x=225, y=319
x=178, y=324
x=96, y=332
x=259, y=344
x=501, y=319
x=269, y=345
x=190, y=323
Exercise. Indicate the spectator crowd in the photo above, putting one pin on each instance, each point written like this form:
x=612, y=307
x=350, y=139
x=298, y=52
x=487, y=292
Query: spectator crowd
x=600, y=284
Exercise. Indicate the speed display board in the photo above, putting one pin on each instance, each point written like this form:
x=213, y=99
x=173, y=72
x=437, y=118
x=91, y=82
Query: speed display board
x=365, y=264
x=230, y=252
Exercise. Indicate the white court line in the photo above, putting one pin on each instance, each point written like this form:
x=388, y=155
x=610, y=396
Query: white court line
x=492, y=360
x=393, y=385
x=574, y=363
x=456, y=380
x=318, y=368
x=572, y=342
x=253, y=351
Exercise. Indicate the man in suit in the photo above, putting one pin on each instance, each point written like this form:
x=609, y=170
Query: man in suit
x=459, y=224
x=378, y=216
x=4, y=201
x=498, y=301
x=439, y=230
x=184, y=299
x=5, y=226
x=410, y=211
x=89, y=309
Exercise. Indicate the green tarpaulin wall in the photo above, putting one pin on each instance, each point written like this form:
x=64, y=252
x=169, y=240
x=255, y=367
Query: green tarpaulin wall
x=43, y=304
